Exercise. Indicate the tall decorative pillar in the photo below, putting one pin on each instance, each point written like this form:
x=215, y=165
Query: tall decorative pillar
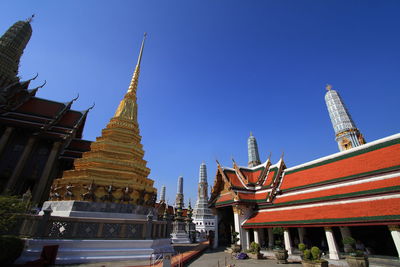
x=215, y=245
x=288, y=243
x=345, y=231
x=240, y=214
x=333, y=248
x=395, y=232
x=301, y=231
x=20, y=165
x=246, y=244
x=261, y=234
x=257, y=236
x=270, y=238
x=236, y=218
x=44, y=179
x=4, y=138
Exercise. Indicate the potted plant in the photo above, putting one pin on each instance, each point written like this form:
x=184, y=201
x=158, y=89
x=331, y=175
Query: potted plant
x=254, y=251
x=235, y=246
x=312, y=258
x=281, y=254
x=356, y=258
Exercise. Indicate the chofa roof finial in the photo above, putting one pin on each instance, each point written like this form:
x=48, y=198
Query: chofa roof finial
x=31, y=18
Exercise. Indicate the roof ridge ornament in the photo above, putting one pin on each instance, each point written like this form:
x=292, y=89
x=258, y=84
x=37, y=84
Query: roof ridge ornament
x=328, y=87
x=30, y=19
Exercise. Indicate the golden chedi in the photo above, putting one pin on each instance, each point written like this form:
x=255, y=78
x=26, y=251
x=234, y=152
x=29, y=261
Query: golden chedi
x=114, y=169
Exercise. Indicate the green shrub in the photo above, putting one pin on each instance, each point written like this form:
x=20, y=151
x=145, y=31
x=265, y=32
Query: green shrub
x=10, y=249
x=302, y=247
x=9, y=207
x=316, y=253
x=307, y=254
x=235, y=237
x=348, y=240
x=254, y=248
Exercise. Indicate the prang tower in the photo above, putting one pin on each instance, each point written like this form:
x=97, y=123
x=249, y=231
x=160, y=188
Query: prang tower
x=346, y=132
x=254, y=158
x=179, y=200
x=202, y=215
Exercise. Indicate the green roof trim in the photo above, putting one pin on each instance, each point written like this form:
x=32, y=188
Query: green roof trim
x=353, y=194
x=330, y=220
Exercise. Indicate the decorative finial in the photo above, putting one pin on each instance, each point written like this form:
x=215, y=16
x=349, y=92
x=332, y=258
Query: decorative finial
x=31, y=18
x=328, y=87
x=269, y=156
x=283, y=153
x=94, y=104
x=76, y=98
x=251, y=133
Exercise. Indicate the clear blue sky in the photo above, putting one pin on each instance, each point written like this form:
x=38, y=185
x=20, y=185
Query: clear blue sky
x=213, y=71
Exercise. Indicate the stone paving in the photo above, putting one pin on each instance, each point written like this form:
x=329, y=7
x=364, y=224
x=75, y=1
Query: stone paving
x=219, y=258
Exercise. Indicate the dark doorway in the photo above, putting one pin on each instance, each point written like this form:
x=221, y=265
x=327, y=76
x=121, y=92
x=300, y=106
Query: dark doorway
x=225, y=226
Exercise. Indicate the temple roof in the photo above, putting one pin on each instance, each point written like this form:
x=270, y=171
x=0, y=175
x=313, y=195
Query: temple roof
x=356, y=186
x=377, y=156
x=243, y=184
x=374, y=210
x=48, y=117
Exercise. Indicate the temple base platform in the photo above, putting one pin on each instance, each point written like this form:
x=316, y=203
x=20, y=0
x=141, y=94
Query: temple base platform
x=72, y=251
x=75, y=208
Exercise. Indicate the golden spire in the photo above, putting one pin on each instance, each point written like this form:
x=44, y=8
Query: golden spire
x=127, y=108
x=135, y=78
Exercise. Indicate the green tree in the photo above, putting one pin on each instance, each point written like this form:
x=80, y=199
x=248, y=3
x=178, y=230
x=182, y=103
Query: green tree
x=10, y=206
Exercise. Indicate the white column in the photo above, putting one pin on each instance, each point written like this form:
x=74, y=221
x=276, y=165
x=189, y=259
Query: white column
x=240, y=213
x=270, y=238
x=215, y=245
x=237, y=227
x=256, y=235
x=286, y=237
x=395, y=232
x=333, y=248
x=301, y=232
x=246, y=242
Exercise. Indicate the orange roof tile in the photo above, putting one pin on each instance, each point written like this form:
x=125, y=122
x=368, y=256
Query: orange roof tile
x=359, y=162
x=362, y=212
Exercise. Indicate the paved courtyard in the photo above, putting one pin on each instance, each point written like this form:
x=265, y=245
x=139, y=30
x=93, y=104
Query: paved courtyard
x=219, y=258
